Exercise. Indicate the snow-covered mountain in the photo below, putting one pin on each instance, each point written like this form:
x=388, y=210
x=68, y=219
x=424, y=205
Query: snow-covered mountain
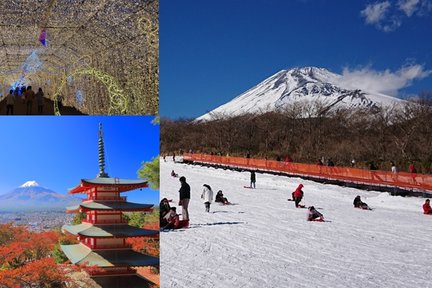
x=32, y=196
x=301, y=85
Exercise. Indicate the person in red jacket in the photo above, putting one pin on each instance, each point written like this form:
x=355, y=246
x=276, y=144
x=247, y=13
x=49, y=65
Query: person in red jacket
x=298, y=196
x=426, y=207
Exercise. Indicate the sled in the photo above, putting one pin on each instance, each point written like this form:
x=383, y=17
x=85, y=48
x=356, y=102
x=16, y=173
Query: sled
x=182, y=224
x=317, y=220
x=249, y=187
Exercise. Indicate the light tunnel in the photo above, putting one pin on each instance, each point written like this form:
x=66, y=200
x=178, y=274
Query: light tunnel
x=99, y=56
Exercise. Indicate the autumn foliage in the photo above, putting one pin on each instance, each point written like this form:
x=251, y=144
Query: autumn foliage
x=26, y=258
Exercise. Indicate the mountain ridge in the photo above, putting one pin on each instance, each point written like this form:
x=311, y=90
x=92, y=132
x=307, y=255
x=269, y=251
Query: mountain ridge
x=301, y=84
x=32, y=196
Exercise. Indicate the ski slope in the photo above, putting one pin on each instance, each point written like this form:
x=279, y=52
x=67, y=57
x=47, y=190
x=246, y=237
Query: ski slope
x=264, y=241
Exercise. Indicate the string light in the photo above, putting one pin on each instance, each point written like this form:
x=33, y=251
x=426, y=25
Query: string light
x=110, y=48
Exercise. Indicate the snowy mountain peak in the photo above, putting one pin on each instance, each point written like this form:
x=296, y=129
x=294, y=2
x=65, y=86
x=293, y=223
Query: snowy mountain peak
x=301, y=85
x=30, y=184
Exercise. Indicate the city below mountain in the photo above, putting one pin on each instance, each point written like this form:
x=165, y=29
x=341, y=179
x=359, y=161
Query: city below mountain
x=301, y=85
x=32, y=197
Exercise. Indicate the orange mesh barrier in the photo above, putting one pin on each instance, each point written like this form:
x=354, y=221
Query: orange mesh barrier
x=354, y=175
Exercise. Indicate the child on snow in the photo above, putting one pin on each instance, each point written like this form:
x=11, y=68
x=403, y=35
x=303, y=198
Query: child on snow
x=220, y=198
x=172, y=219
x=207, y=196
x=360, y=204
x=173, y=174
x=314, y=215
x=426, y=207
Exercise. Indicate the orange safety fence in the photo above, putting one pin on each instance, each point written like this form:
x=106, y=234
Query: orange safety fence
x=346, y=174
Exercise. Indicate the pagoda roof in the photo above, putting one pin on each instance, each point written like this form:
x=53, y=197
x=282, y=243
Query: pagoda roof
x=108, y=231
x=81, y=254
x=110, y=206
x=122, y=184
x=130, y=281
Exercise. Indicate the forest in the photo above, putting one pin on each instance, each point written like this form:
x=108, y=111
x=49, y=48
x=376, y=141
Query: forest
x=307, y=132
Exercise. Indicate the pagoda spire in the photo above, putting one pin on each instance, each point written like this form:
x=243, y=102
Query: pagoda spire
x=102, y=173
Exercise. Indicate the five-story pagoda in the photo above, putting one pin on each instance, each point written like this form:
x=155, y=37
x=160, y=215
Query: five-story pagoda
x=104, y=231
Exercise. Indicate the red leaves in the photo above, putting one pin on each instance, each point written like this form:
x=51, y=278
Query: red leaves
x=26, y=259
x=40, y=273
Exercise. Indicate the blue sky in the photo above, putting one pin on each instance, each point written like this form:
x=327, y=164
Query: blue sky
x=212, y=51
x=58, y=152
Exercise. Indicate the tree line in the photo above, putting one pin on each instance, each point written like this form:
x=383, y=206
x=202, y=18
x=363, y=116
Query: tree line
x=310, y=131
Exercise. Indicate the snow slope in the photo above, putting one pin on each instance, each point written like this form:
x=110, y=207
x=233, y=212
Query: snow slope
x=264, y=241
x=301, y=85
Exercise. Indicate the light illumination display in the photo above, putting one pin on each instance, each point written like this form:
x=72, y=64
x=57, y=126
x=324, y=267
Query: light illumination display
x=108, y=48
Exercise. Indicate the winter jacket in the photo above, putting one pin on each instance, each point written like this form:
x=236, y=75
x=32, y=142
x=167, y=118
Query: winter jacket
x=219, y=197
x=357, y=202
x=313, y=214
x=298, y=193
x=184, y=191
x=253, y=177
x=207, y=194
x=427, y=208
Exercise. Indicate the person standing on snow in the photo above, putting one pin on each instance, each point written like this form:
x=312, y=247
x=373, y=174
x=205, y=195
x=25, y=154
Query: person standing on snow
x=184, y=194
x=298, y=196
x=252, y=179
x=207, y=196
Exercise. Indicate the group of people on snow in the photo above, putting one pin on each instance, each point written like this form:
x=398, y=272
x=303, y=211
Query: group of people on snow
x=169, y=219
x=314, y=215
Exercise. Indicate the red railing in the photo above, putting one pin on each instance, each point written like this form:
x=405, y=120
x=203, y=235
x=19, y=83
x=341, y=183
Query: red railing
x=353, y=175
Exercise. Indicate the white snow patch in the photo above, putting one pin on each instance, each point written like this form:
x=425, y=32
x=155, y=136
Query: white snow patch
x=264, y=241
x=30, y=184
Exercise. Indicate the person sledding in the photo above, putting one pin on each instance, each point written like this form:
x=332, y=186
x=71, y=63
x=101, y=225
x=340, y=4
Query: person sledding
x=426, y=207
x=207, y=196
x=298, y=196
x=164, y=209
x=314, y=215
x=171, y=219
x=358, y=203
x=173, y=174
x=221, y=199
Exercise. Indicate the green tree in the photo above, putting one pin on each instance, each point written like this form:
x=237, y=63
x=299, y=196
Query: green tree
x=137, y=219
x=150, y=172
x=78, y=218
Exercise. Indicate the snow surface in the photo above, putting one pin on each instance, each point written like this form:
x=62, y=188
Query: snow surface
x=300, y=85
x=264, y=241
x=30, y=184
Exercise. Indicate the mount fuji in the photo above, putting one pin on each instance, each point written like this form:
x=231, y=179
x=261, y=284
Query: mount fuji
x=301, y=85
x=32, y=196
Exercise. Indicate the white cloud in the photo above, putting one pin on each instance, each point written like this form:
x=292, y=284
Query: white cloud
x=375, y=13
x=387, y=17
x=386, y=82
x=408, y=6
x=415, y=7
